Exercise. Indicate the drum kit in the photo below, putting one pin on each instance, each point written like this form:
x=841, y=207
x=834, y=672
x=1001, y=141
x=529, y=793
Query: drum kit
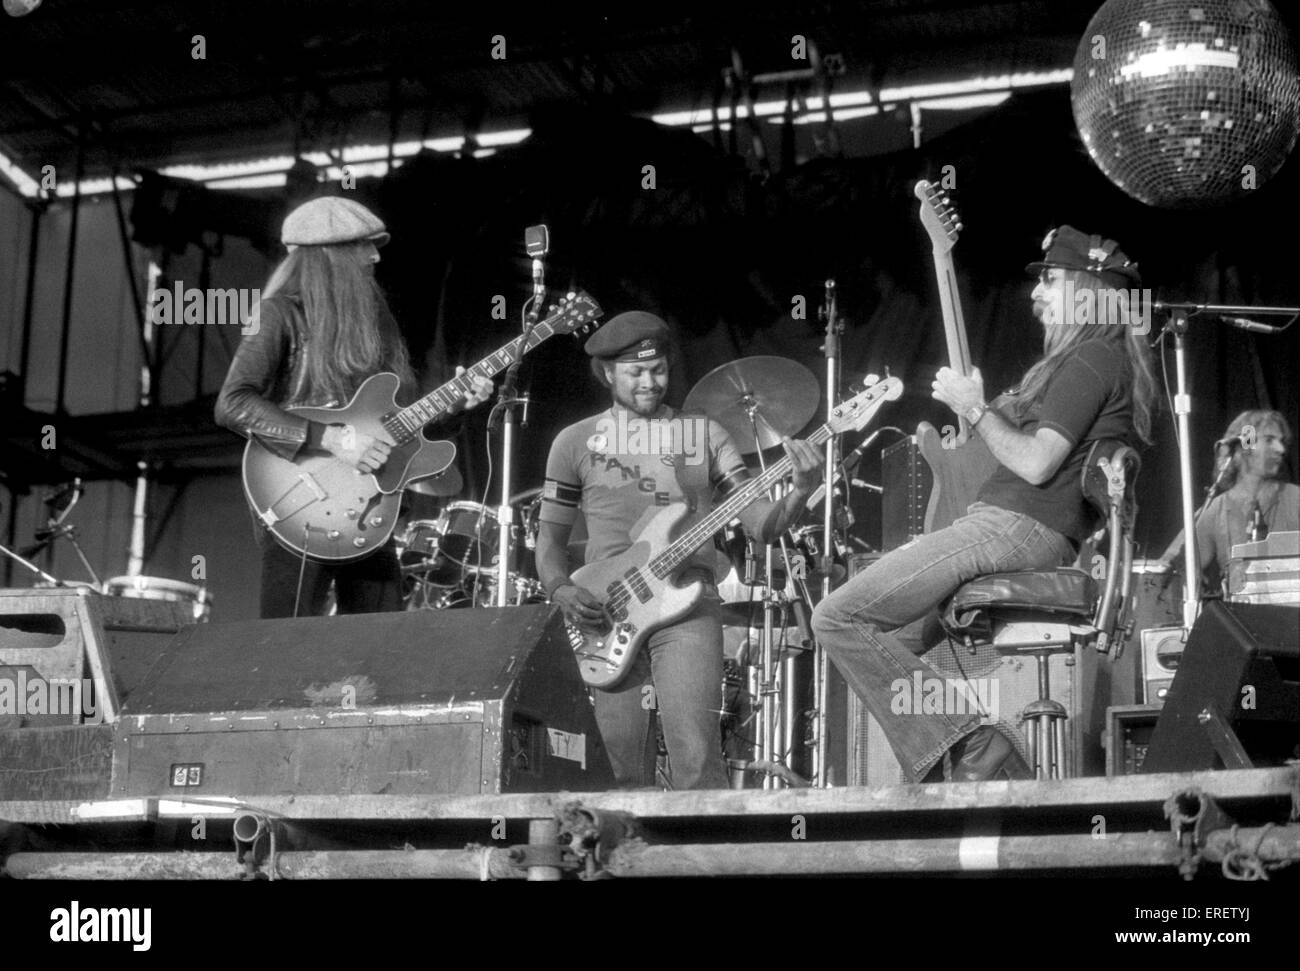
x=451, y=560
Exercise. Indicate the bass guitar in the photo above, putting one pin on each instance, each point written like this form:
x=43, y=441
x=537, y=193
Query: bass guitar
x=637, y=586
x=959, y=460
x=322, y=507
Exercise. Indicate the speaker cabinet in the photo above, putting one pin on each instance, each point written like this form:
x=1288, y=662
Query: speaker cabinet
x=449, y=701
x=1235, y=696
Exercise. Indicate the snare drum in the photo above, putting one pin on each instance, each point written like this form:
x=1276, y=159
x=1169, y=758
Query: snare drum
x=159, y=588
x=469, y=535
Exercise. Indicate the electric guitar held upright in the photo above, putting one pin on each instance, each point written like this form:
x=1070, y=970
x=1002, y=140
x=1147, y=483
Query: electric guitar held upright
x=961, y=462
x=320, y=506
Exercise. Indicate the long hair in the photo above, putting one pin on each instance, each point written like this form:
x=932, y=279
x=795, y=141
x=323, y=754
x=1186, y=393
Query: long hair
x=1256, y=419
x=351, y=334
x=1099, y=316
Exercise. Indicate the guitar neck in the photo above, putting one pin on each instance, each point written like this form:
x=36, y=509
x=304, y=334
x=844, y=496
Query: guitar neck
x=443, y=399
x=954, y=327
x=685, y=546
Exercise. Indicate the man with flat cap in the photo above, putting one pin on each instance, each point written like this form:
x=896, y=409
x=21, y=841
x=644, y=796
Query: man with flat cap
x=619, y=468
x=1094, y=381
x=322, y=328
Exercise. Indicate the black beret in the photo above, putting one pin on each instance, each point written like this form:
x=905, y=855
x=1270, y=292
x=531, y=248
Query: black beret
x=631, y=336
x=1067, y=248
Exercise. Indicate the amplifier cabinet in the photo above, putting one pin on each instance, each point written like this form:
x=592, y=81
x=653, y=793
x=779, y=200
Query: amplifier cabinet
x=450, y=702
x=906, y=482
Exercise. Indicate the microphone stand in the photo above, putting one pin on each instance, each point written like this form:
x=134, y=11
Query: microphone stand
x=820, y=673
x=504, y=412
x=1180, y=315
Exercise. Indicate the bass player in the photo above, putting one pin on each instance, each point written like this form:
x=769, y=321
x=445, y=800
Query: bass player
x=619, y=468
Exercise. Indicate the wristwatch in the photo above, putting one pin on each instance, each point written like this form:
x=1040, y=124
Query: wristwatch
x=975, y=413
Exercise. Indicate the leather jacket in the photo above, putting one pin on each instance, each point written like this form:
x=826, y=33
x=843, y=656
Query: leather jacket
x=270, y=370
x=269, y=373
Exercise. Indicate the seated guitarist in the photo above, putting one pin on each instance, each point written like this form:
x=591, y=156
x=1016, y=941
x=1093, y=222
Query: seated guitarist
x=1094, y=381
x=619, y=473
x=323, y=327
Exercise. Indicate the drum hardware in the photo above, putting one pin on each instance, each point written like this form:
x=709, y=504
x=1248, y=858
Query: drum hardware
x=760, y=400
x=160, y=588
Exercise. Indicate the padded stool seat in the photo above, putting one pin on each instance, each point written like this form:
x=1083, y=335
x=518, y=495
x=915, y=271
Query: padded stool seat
x=1066, y=591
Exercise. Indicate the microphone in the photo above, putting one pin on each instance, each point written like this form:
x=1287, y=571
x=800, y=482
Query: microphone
x=853, y=458
x=537, y=241
x=848, y=465
x=1254, y=326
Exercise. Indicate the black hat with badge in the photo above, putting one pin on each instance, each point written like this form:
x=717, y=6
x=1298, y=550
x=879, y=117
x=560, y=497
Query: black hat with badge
x=1066, y=248
x=631, y=336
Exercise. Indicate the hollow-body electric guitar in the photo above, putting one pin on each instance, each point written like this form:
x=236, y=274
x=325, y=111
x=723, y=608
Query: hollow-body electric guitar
x=637, y=585
x=959, y=460
x=319, y=505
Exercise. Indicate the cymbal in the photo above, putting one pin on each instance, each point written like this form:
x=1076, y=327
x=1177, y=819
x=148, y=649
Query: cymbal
x=444, y=484
x=781, y=394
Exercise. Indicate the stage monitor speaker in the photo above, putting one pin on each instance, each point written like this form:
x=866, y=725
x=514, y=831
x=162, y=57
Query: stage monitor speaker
x=444, y=701
x=1235, y=696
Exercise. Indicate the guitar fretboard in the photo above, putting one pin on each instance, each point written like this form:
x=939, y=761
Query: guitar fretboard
x=684, y=547
x=444, y=398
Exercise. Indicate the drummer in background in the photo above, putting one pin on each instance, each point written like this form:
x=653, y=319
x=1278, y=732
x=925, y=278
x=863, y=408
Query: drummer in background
x=1250, y=498
x=618, y=487
x=323, y=327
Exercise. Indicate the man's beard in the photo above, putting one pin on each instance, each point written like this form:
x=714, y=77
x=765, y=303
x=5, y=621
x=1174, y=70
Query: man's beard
x=645, y=407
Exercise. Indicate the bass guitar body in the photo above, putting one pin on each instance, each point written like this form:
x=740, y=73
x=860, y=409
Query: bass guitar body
x=637, y=601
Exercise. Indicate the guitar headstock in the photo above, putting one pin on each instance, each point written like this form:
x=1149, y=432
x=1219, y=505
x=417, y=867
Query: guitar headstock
x=938, y=216
x=576, y=312
x=856, y=412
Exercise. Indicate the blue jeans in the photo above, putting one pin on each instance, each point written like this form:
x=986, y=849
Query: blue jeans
x=874, y=627
x=679, y=670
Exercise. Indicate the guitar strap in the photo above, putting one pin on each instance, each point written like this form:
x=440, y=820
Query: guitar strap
x=694, y=479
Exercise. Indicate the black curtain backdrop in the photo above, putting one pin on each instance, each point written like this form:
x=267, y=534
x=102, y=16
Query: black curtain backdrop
x=721, y=255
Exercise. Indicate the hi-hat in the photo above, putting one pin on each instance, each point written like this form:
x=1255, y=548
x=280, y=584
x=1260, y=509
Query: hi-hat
x=773, y=396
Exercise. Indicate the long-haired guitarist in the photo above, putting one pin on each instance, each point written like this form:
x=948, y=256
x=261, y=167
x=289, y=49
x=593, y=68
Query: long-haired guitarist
x=1094, y=381
x=323, y=327
x=619, y=468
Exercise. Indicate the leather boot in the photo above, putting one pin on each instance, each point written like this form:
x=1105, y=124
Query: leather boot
x=986, y=754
